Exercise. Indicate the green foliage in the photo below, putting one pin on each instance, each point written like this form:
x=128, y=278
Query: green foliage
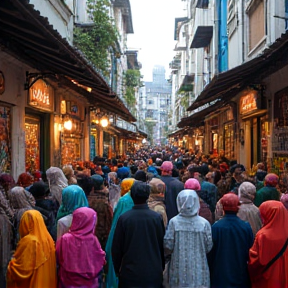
x=96, y=41
x=133, y=78
x=132, y=82
x=150, y=124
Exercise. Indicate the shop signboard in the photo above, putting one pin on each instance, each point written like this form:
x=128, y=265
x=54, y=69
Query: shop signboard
x=41, y=96
x=249, y=102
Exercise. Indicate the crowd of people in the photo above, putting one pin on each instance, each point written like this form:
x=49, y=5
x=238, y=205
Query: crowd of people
x=158, y=217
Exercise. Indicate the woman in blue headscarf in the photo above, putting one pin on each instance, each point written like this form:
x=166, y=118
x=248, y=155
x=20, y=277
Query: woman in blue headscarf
x=125, y=204
x=73, y=197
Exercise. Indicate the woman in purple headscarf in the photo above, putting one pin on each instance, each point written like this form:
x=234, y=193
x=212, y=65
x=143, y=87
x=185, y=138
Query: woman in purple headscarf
x=79, y=252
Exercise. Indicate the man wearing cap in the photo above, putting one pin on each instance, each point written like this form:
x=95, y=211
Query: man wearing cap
x=232, y=239
x=137, y=248
x=173, y=187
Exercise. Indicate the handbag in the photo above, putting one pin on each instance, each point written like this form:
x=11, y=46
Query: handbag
x=276, y=257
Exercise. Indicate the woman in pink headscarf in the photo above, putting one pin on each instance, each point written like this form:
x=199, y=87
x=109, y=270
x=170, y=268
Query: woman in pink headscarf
x=79, y=252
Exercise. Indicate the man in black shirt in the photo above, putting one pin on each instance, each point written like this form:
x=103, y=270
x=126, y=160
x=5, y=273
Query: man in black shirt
x=137, y=248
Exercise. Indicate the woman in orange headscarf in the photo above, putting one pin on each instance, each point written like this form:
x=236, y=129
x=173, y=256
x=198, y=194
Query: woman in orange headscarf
x=34, y=262
x=271, y=240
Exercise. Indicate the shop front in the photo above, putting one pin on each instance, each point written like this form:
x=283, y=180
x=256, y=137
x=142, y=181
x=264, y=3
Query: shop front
x=254, y=129
x=5, y=137
x=280, y=132
x=37, y=126
x=72, y=131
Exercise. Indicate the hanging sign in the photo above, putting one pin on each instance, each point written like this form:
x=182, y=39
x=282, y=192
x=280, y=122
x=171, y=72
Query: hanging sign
x=41, y=96
x=249, y=102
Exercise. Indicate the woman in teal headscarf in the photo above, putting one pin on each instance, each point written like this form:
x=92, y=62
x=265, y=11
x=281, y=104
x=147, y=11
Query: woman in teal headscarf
x=124, y=204
x=73, y=197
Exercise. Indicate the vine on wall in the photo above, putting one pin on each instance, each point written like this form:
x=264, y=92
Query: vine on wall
x=96, y=41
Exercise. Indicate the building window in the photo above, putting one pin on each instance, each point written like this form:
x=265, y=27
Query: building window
x=150, y=102
x=256, y=23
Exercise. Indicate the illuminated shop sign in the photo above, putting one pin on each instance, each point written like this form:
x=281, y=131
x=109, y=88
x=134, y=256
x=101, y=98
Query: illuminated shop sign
x=249, y=102
x=41, y=96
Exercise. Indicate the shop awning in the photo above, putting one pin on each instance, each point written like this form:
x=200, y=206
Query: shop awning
x=178, y=132
x=29, y=37
x=197, y=118
x=228, y=84
x=187, y=83
x=202, y=37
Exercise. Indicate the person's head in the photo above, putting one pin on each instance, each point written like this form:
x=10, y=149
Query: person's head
x=157, y=186
x=85, y=182
x=192, y=184
x=18, y=198
x=260, y=175
x=166, y=168
x=273, y=212
x=97, y=181
x=7, y=181
x=68, y=171
x=123, y=173
x=230, y=203
x=209, y=177
x=25, y=180
x=140, y=192
x=153, y=170
x=247, y=190
x=140, y=175
x=126, y=185
x=73, y=197
x=55, y=176
x=188, y=203
x=237, y=171
x=32, y=222
x=271, y=180
x=84, y=221
x=284, y=200
x=112, y=178
x=133, y=169
x=37, y=176
x=39, y=190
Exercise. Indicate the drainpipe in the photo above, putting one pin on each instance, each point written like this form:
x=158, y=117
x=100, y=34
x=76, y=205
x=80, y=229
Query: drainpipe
x=243, y=30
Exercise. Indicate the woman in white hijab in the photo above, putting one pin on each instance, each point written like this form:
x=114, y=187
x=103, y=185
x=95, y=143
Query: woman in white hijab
x=188, y=239
x=57, y=182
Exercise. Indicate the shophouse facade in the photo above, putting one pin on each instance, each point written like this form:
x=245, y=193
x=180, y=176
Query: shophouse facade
x=240, y=105
x=48, y=90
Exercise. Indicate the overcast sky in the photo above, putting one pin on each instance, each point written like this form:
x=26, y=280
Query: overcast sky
x=153, y=23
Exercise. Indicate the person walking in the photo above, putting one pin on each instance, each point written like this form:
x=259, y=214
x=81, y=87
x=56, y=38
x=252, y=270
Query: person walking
x=268, y=258
x=232, y=239
x=188, y=239
x=125, y=204
x=34, y=261
x=137, y=248
x=79, y=253
x=173, y=187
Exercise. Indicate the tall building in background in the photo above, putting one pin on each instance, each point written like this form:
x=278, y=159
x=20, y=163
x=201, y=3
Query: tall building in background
x=155, y=106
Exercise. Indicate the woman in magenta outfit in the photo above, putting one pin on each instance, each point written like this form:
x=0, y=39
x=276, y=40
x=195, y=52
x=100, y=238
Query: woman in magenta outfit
x=79, y=252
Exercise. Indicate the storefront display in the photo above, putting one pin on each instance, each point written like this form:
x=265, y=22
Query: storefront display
x=70, y=150
x=280, y=132
x=32, y=143
x=229, y=140
x=5, y=139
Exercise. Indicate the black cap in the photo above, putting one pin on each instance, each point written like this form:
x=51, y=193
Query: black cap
x=39, y=189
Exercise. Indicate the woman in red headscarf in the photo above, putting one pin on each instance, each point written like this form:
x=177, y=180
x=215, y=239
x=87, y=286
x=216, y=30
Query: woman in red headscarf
x=270, y=241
